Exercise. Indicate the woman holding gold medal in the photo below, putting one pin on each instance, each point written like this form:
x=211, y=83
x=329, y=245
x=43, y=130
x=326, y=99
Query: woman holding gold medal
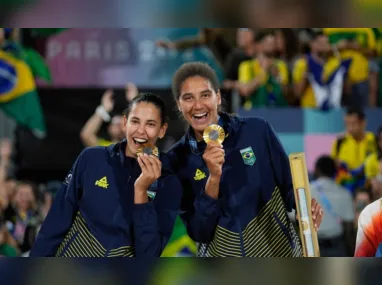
x=120, y=200
x=237, y=185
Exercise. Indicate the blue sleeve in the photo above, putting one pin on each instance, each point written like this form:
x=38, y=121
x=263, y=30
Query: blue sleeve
x=154, y=221
x=281, y=167
x=61, y=215
x=200, y=215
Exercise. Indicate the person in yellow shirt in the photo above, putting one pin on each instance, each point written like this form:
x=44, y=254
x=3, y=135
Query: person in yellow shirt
x=263, y=80
x=318, y=77
x=356, y=144
x=359, y=45
x=89, y=131
x=351, y=149
x=372, y=163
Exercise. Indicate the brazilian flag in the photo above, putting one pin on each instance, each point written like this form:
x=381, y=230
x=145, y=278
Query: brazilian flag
x=18, y=95
x=180, y=244
x=34, y=60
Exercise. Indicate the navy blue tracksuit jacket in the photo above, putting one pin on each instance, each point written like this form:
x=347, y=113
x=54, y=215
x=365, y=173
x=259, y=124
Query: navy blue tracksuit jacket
x=256, y=192
x=94, y=215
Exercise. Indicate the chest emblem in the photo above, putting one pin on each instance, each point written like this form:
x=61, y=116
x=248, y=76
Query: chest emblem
x=199, y=175
x=102, y=182
x=248, y=156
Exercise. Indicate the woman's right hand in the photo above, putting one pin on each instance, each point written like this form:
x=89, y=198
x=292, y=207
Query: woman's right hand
x=214, y=158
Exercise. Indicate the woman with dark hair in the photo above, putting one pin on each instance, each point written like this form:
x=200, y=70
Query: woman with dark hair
x=120, y=200
x=236, y=193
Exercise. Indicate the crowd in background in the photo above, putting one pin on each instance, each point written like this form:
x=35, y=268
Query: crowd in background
x=309, y=68
x=312, y=68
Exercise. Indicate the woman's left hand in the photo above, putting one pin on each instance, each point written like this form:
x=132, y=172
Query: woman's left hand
x=151, y=168
x=317, y=214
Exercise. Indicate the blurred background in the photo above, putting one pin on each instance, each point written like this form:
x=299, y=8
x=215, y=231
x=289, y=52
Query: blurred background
x=321, y=89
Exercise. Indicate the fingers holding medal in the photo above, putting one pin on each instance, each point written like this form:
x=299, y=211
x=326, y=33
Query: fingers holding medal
x=214, y=153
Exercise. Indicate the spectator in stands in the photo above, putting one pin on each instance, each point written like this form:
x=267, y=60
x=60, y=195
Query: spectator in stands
x=263, y=80
x=7, y=184
x=357, y=45
x=89, y=132
x=287, y=46
x=336, y=234
x=362, y=198
x=5, y=153
x=318, y=77
x=7, y=243
x=220, y=41
x=369, y=235
x=351, y=148
x=246, y=50
x=27, y=214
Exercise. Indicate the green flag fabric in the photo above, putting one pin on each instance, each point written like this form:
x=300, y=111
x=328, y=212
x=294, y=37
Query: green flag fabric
x=18, y=96
x=35, y=61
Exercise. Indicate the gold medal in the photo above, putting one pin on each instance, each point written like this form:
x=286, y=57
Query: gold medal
x=214, y=133
x=148, y=149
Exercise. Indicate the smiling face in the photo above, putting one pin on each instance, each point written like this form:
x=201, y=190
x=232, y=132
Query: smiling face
x=143, y=125
x=24, y=197
x=199, y=103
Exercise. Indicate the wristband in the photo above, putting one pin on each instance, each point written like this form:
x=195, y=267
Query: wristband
x=103, y=113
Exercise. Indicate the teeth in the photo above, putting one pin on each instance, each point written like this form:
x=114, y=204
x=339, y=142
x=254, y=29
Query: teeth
x=140, y=140
x=200, y=115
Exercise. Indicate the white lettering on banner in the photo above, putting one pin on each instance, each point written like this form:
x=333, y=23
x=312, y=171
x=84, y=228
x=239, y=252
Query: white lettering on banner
x=73, y=50
x=122, y=52
x=119, y=51
x=92, y=50
x=53, y=49
x=146, y=50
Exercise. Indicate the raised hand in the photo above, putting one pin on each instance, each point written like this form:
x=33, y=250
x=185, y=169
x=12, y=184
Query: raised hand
x=107, y=101
x=151, y=168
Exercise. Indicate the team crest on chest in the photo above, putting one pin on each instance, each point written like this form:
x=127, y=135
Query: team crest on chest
x=248, y=156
